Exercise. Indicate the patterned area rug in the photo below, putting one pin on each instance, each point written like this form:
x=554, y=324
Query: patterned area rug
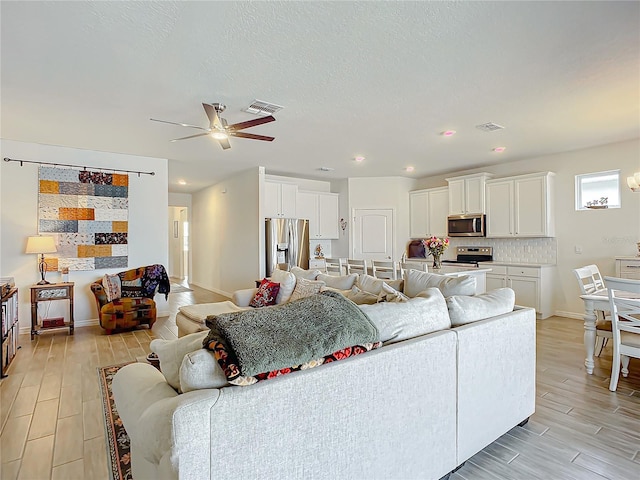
x=177, y=288
x=119, y=458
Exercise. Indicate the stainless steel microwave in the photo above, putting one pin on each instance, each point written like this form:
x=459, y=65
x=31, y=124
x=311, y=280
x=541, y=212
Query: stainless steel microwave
x=466, y=225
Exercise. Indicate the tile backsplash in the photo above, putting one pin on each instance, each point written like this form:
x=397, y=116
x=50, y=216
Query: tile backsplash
x=516, y=250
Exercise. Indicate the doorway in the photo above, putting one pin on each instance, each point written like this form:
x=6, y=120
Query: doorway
x=179, y=244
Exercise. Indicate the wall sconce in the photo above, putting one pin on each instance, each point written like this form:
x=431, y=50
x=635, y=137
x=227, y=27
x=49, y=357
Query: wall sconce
x=634, y=182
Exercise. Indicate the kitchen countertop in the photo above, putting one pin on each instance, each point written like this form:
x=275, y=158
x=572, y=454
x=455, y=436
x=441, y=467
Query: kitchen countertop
x=517, y=264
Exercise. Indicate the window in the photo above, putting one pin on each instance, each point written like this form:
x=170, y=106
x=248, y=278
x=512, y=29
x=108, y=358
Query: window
x=598, y=190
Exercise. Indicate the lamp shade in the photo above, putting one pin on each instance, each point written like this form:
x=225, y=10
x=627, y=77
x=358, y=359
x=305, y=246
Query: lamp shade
x=38, y=244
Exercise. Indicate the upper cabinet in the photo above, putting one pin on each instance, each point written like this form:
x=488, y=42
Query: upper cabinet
x=322, y=211
x=466, y=193
x=280, y=200
x=521, y=206
x=428, y=212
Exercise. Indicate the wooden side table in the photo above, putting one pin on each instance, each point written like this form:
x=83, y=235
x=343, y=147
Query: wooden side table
x=45, y=293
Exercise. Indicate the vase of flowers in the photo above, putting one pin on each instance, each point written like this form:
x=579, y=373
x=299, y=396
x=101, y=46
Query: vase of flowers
x=436, y=247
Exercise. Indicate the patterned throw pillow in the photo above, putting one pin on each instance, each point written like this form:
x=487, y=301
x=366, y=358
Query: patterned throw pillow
x=229, y=363
x=266, y=294
x=306, y=288
x=131, y=288
x=112, y=287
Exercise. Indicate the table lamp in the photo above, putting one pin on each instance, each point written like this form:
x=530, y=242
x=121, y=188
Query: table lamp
x=41, y=245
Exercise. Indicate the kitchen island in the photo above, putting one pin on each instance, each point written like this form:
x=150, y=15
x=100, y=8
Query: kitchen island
x=480, y=274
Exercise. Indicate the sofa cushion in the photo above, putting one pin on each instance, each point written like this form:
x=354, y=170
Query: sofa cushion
x=230, y=365
x=360, y=297
x=466, y=309
x=200, y=311
x=307, y=274
x=390, y=294
x=287, y=281
x=418, y=281
x=374, y=285
x=171, y=353
x=200, y=370
x=306, y=288
x=112, y=286
x=418, y=316
x=343, y=282
x=266, y=295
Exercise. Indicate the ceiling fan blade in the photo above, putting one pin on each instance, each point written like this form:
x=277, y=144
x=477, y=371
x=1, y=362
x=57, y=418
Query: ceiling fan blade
x=180, y=124
x=224, y=143
x=214, y=120
x=251, y=123
x=252, y=136
x=190, y=136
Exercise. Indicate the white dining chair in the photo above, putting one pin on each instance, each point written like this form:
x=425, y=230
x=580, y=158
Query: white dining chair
x=356, y=266
x=406, y=266
x=590, y=281
x=383, y=269
x=335, y=266
x=624, y=301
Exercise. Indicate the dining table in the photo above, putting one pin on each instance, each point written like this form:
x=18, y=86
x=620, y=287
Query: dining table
x=593, y=302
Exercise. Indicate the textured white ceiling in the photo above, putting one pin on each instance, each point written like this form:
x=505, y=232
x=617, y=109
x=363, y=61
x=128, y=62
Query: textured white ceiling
x=379, y=79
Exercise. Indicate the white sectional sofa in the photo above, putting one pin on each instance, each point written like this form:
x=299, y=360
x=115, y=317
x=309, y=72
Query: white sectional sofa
x=415, y=408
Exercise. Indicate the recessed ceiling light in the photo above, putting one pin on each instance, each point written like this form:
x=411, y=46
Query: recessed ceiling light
x=359, y=159
x=181, y=182
x=499, y=149
x=409, y=168
x=448, y=133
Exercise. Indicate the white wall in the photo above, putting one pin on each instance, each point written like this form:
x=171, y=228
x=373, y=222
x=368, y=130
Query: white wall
x=175, y=242
x=19, y=209
x=602, y=234
x=184, y=201
x=226, y=233
x=382, y=192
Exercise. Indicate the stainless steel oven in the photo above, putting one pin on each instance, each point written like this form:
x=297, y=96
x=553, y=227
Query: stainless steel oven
x=466, y=225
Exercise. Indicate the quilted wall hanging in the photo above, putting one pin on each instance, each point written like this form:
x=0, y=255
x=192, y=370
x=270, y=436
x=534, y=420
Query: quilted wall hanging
x=87, y=212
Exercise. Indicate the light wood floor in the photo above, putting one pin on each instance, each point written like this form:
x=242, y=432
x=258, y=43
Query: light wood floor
x=52, y=426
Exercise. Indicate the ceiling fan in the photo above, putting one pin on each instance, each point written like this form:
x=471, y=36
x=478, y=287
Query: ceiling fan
x=220, y=130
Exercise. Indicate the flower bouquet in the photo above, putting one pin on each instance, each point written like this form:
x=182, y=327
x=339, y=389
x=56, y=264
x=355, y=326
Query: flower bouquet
x=436, y=247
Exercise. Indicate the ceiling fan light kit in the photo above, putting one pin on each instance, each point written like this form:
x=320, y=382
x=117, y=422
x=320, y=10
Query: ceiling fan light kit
x=220, y=130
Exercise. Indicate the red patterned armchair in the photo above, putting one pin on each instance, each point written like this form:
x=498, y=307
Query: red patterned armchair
x=125, y=300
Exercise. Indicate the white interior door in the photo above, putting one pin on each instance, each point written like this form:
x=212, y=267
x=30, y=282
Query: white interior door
x=372, y=234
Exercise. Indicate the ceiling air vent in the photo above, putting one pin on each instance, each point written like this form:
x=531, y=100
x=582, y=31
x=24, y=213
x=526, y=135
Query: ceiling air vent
x=489, y=127
x=258, y=107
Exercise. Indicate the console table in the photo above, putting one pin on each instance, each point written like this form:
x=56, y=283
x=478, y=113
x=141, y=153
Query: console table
x=49, y=292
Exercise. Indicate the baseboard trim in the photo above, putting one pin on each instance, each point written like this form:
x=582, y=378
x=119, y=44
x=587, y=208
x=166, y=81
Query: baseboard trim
x=214, y=290
x=576, y=316
x=76, y=323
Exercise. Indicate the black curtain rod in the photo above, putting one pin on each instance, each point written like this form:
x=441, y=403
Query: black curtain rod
x=76, y=166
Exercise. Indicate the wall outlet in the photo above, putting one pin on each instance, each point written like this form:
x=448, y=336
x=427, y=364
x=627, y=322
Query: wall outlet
x=578, y=249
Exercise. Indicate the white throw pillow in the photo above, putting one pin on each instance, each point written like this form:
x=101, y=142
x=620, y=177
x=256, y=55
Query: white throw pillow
x=171, y=352
x=200, y=370
x=287, y=281
x=344, y=282
x=369, y=284
x=389, y=294
x=418, y=281
x=399, y=321
x=360, y=297
x=306, y=288
x=306, y=274
x=112, y=286
x=465, y=309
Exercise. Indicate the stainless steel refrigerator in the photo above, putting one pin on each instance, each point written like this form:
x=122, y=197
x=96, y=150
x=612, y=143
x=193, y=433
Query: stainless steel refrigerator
x=287, y=243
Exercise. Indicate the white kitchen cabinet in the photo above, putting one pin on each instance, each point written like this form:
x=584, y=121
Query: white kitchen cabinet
x=279, y=200
x=428, y=211
x=322, y=211
x=466, y=193
x=531, y=284
x=521, y=206
x=628, y=267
